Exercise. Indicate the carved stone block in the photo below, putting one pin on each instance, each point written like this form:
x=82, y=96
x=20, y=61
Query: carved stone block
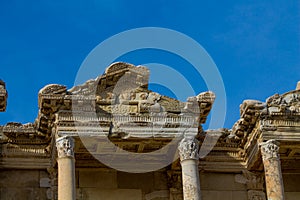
x=256, y=195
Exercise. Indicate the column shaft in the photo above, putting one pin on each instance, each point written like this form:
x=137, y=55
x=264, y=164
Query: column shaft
x=66, y=169
x=273, y=174
x=189, y=157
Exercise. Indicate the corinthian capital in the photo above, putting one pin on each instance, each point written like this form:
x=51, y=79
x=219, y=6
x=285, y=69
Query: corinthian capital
x=269, y=149
x=188, y=149
x=65, y=146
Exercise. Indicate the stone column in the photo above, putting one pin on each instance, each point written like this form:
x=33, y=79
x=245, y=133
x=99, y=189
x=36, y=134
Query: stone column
x=189, y=157
x=273, y=175
x=66, y=168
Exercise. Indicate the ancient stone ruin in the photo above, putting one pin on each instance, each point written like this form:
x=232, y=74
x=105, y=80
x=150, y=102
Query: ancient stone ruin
x=113, y=138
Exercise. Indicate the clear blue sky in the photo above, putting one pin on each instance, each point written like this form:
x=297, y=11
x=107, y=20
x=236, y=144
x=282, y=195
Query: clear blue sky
x=255, y=45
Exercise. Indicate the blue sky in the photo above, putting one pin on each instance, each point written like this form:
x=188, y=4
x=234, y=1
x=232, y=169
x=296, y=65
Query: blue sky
x=255, y=45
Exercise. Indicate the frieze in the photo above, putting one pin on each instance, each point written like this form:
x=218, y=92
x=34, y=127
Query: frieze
x=286, y=103
x=23, y=132
x=33, y=151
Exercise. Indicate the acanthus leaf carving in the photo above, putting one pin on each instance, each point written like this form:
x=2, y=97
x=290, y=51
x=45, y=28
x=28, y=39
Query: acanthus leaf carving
x=65, y=146
x=188, y=148
x=270, y=149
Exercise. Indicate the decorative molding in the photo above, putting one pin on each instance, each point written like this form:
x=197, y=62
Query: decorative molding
x=188, y=148
x=270, y=149
x=65, y=147
x=286, y=103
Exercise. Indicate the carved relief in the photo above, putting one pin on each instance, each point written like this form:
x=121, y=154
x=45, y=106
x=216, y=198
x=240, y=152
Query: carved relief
x=270, y=149
x=188, y=149
x=286, y=103
x=65, y=146
x=25, y=132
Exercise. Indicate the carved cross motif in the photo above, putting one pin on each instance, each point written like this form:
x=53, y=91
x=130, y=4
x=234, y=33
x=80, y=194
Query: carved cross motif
x=65, y=146
x=270, y=149
x=188, y=149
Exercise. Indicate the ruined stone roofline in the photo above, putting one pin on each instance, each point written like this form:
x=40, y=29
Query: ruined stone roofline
x=121, y=90
x=3, y=96
x=283, y=109
x=277, y=118
x=19, y=133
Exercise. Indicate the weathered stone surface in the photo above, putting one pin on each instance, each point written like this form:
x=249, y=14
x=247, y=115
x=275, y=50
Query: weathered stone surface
x=253, y=181
x=292, y=195
x=291, y=182
x=158, y=195
x=112, y=194
x=142, y=121
x=19, y=178
x=144, y=181
x=23, y=194
x=273, y=174
x=188, y=149
x=45, y=183
x=256, y=195
x=65, y=147
x=160, y=181
x=98, y=179
x=66, y=168
x=3, y=96
x=189, y=157
x=220, y=182
x=224, y=195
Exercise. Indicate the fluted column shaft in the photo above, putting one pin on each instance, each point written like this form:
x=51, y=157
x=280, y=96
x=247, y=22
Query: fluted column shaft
x=273, y=174
x=66, y=168
x=189, y=157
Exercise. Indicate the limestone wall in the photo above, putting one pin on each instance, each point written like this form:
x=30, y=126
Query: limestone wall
x=221, y=186
x=112, y=185
x=291, y=186
x=22, y=184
